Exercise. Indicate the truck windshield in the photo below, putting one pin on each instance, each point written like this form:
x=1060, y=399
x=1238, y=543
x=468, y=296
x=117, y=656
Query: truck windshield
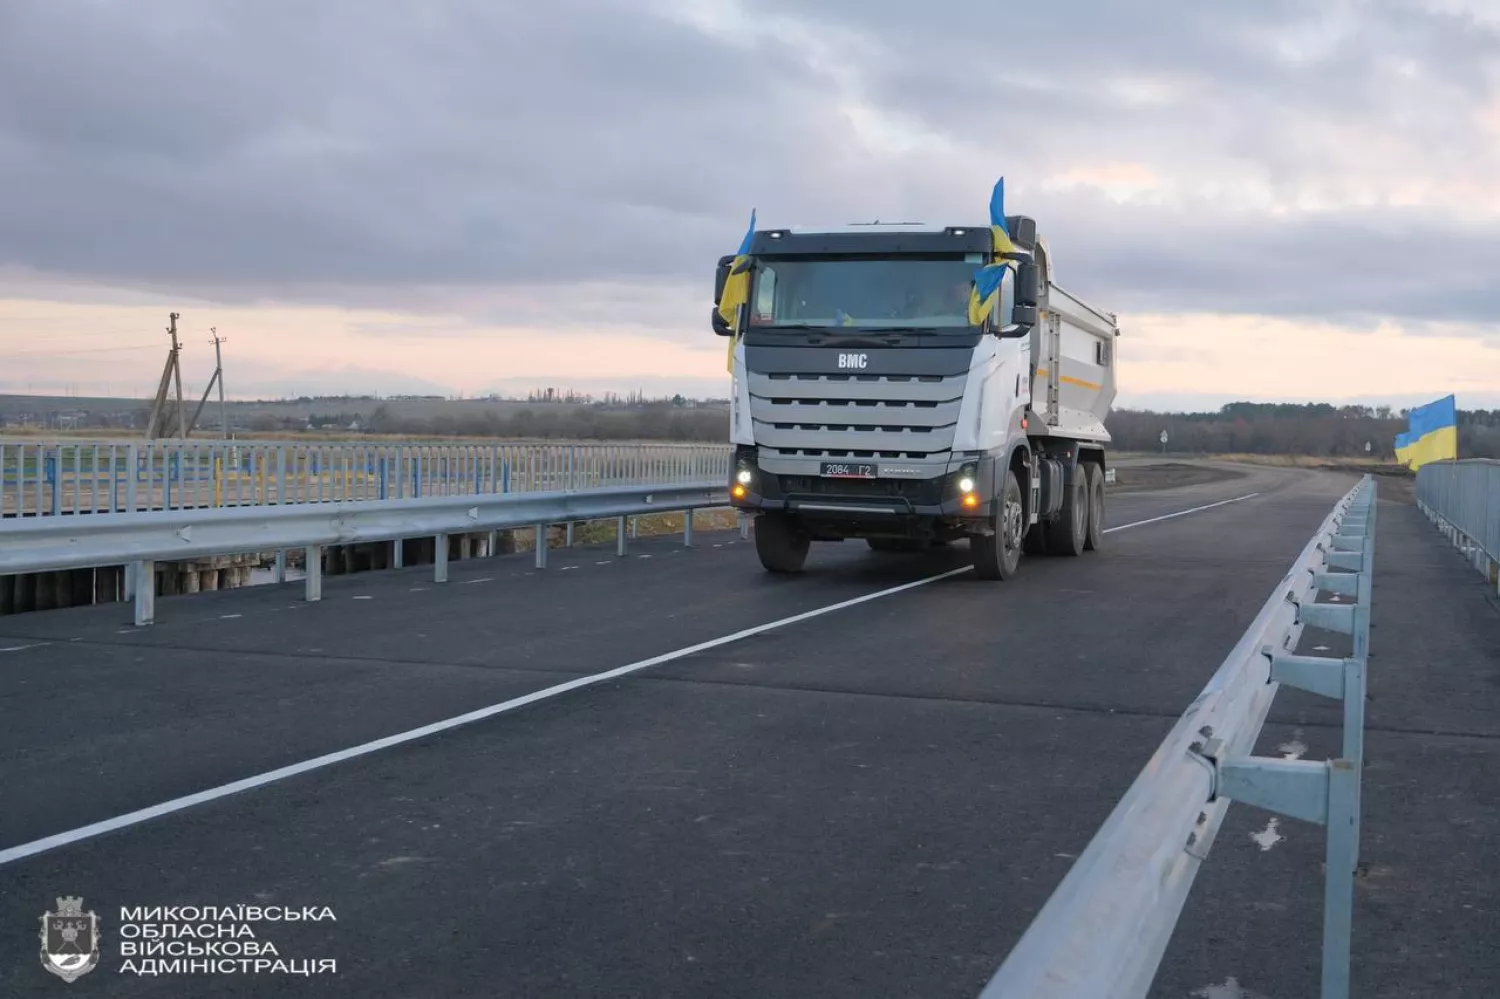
x=869, y=292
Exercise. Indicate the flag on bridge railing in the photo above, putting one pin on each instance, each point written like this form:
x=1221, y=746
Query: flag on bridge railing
x=1432, y=433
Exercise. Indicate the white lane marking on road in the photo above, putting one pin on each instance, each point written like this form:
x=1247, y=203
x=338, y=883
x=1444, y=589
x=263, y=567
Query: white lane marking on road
x=1182, y=513
x=481, y=579
x=229, y=617
x=364, y=749
x=23, y=648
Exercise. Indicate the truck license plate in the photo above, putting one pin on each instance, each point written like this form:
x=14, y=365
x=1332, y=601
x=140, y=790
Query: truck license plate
x=849, y=469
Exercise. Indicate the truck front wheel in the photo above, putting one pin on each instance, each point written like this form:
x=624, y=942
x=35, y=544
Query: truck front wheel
x=782, y=547
x=998, y=555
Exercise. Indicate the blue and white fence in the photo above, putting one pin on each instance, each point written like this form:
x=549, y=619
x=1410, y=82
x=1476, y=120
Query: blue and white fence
x=52, y=478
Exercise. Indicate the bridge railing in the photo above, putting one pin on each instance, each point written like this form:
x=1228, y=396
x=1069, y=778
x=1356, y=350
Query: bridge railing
x=1102, y=933
x=56, y=477
x=139, y=540
x=1463, y=499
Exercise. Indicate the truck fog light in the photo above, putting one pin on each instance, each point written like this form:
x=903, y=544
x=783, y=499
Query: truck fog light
x=744, y=476
x=966, y=485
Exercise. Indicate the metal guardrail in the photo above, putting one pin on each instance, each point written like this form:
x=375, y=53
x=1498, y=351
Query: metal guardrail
x=51, y=478
x=1463, y=499
x=1102, y=933
x=40, y=544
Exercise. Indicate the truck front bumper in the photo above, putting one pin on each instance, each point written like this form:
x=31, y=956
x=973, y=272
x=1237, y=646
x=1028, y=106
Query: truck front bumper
x=880, y=504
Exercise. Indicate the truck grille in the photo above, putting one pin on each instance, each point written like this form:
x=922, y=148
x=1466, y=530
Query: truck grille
x=855, y=416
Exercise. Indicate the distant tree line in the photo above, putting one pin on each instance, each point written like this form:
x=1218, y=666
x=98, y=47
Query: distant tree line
x=654, y=421
x=1314, y=429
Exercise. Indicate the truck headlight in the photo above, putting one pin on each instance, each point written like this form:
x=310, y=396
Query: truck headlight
x=744, y=476
x=967, y=482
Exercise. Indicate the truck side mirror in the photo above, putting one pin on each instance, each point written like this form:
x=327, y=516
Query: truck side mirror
x=1028, y=284
x=721, y=275
x=1023, y=318
x=720, y=326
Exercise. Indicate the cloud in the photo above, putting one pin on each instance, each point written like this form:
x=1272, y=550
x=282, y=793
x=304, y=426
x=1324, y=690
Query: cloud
x=572, y=169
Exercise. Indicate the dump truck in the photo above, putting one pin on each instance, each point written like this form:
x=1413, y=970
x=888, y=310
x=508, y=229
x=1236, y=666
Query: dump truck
x=913, y=385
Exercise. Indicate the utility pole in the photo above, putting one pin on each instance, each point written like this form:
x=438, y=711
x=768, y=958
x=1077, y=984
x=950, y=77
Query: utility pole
x=173, y=369
x=177, y=377
x=217, y=378
x=219, y=374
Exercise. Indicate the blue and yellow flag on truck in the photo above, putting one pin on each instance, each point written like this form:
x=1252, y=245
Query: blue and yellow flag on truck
x=737, y=287
x=987, y=280
x=1432, y=434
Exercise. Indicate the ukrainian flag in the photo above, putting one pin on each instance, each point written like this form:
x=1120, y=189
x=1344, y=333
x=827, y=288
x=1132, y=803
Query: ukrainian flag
x=737, y=287
x=1432, y=434
x=987, y=279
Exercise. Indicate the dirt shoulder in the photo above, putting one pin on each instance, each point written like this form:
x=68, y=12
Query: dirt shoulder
x=1133, y=478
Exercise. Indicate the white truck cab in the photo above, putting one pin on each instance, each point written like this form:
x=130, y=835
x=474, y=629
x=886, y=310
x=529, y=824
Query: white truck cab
x=913, y=384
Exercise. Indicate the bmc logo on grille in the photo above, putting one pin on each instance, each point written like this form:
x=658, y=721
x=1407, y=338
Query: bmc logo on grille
x=854, y=360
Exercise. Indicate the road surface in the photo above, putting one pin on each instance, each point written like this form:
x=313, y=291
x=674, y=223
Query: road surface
x=870, y=793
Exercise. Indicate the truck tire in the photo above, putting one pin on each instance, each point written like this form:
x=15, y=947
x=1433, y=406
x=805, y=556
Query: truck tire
x=1066, y=534
x=998, y=555
x=1095, y=536
x=780, y=545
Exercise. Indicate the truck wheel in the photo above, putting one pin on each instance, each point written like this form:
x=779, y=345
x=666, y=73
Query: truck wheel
x=1095, y=536
x=1065, y=535
x=780, y=545
x=998, y=556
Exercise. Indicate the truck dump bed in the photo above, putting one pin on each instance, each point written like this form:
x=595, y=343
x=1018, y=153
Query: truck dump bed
x=1073, y=369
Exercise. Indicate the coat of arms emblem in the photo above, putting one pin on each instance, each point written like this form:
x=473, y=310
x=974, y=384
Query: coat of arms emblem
x=70, y=939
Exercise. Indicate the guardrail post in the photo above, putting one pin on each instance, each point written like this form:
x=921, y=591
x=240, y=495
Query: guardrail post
x=398, y=554
x=687, y=528
x=1326, y=794
x=145, y=593
x=569, y=542
x=1338, y=877
x=541, y=546
x=440, y=559
x=621, y=543
x=744, y=526
x=314, y=578
x=494, y=544
x=280, y=570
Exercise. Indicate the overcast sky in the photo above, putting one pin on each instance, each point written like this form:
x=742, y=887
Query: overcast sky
x=1281, y=200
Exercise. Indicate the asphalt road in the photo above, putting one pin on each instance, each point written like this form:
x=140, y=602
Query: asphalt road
x=872, y=800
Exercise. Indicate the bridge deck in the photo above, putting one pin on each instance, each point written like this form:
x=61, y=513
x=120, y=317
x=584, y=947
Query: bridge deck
x=871, y=801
